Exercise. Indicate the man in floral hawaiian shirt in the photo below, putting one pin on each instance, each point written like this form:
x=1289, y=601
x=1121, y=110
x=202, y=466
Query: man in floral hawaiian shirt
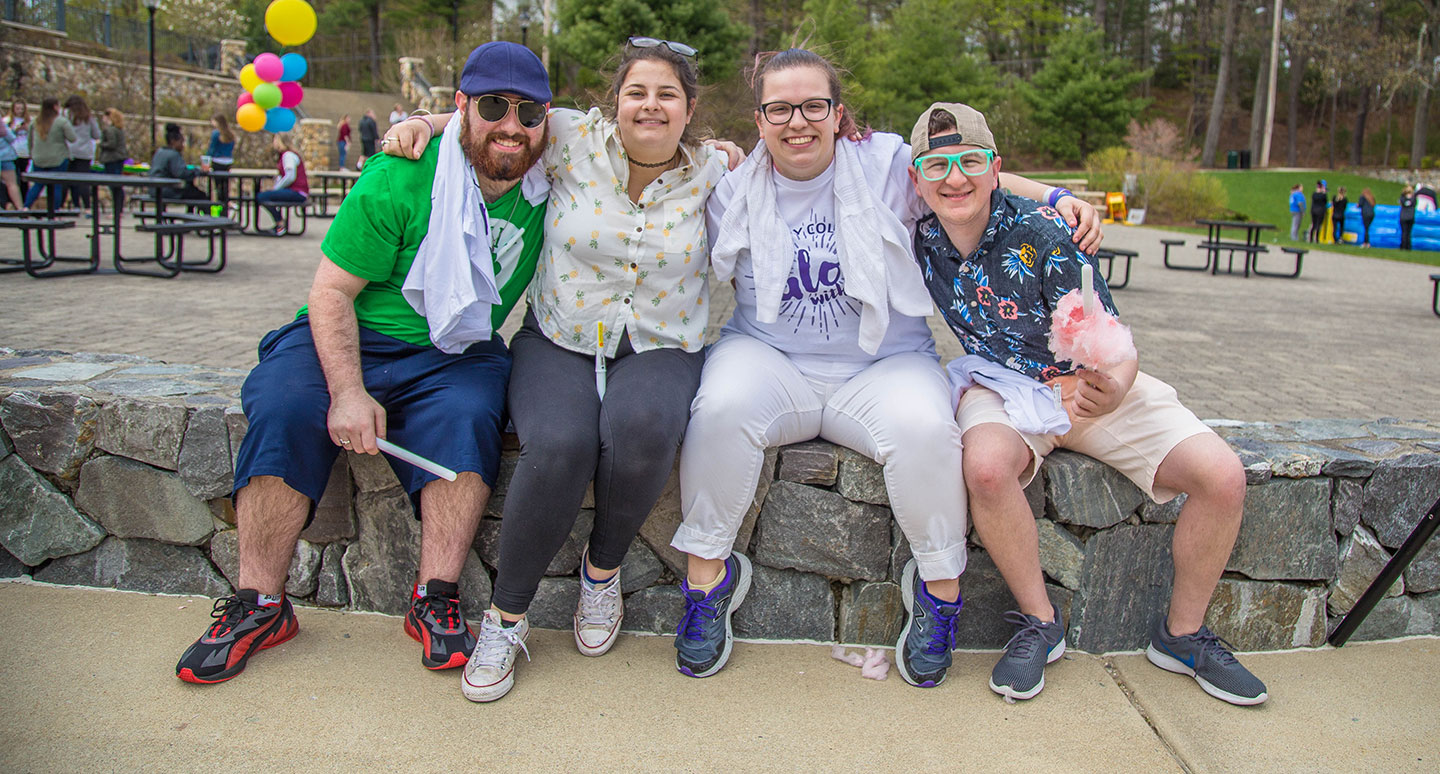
x=996, y=265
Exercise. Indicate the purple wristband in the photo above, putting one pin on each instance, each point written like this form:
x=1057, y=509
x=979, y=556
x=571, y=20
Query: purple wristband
x=426, y=119
x=1057, y=194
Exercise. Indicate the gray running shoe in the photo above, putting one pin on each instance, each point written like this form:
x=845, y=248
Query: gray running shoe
x=1020, y=673
x=1207, y=658
x=923, y=651
x=704, y=637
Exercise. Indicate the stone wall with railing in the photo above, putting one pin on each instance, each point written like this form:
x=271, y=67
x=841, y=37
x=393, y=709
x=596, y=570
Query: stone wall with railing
x=115, y=471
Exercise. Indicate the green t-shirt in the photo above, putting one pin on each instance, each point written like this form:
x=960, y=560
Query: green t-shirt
x=379, y=228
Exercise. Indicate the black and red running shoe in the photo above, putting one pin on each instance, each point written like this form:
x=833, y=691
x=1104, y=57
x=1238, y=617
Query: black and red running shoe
x=435, y=621
x=242, y=627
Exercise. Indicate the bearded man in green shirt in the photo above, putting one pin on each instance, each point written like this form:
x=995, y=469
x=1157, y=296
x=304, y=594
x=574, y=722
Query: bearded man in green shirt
x=384, y=350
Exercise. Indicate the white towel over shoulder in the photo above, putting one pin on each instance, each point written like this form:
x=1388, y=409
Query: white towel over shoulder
x=452, y=281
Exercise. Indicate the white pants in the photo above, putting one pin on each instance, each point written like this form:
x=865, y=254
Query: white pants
x=895, y=411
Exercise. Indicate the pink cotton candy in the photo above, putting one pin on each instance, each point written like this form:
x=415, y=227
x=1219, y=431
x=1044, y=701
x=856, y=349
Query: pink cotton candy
x=1097, y=341
x=873, y=664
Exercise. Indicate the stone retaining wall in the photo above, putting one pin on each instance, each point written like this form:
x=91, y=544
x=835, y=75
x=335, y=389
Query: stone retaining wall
x=115, y=471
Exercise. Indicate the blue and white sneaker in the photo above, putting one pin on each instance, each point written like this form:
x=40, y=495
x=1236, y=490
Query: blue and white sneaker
x=1020, y=673
x=1205, y=657
x=704, y=637
x=923, y=651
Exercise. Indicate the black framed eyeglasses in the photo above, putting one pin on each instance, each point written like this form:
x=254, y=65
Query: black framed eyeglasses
x=936, y=166
x=644, y=42
x=494, y=108
x=811, y=110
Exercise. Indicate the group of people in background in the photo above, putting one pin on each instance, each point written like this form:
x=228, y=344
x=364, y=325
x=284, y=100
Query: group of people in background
x=68, y=138
x=1323, y=208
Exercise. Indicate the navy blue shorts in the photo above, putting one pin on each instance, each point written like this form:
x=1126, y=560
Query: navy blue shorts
x=449, y=408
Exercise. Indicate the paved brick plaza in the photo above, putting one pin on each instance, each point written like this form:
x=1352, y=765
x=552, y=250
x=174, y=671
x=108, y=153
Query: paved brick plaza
x=1353, y=337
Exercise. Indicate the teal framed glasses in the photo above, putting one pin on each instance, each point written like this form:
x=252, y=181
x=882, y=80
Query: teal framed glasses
x=936, y=166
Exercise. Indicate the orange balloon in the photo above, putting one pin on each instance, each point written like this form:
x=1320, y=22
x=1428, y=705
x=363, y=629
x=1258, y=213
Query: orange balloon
x=250, y=117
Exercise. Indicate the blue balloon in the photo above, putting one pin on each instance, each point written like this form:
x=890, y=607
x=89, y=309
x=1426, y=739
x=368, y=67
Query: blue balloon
x=279, y=119
x=295, y=67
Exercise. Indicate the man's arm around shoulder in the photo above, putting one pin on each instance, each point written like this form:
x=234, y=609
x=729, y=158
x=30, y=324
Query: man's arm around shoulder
x=354, y=415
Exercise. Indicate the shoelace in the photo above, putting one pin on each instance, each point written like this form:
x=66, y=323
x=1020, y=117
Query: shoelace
x=943, y=631
x=598, y=606
x=1212, y=644
x=1030, y=636
x=692, y=624
x=229, y=612
x=497, y=645
x=445, y=611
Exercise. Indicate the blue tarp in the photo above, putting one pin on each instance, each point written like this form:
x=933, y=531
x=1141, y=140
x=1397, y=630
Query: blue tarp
x=1385, y=229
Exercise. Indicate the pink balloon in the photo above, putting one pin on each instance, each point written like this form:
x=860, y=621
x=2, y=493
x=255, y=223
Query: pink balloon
x=245, y=99
x=290, y=94
x=269, y=67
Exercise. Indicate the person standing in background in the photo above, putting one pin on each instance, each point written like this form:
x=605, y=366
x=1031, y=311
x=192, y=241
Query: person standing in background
x=1367, y=215
x=18, y=121
x=369, y=133
x=1319, y=203
x=112, y=151
x=342, y=139
x=49, y=148
x=222, y=153
x=1297, y=208
x=1407, y=215
x=7, y=167
x=82, y=148
x=1425, y=198
x=1337, y=215
x=397, y=114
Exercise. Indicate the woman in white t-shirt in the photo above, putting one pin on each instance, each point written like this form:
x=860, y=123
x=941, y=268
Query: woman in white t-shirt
x=828, y=339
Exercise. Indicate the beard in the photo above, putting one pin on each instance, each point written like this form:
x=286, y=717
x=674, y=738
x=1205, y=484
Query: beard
x=496, y=165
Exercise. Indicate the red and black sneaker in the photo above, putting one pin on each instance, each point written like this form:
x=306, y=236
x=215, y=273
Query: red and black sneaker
x=242, y=627
x=435, y=621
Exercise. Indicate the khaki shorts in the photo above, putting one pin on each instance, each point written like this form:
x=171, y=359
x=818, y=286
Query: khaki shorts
x=1134, y=438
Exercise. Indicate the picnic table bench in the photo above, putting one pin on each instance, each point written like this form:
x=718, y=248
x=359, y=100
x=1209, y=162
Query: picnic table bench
x=1109, y=255
x=176, y=225
x=32, y=221
x=1435, y=294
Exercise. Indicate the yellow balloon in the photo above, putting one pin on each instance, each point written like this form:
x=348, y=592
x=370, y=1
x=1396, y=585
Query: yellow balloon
x=248, y=79
x=250, y=117
x=291, y=22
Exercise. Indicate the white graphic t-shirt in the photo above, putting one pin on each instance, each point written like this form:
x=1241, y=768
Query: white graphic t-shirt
x=818, y=325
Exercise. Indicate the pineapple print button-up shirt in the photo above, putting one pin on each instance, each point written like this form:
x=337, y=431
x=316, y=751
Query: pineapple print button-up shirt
x=641, y=267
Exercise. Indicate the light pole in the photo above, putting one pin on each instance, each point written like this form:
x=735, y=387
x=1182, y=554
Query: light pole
x=152, y=6
x=525, y=26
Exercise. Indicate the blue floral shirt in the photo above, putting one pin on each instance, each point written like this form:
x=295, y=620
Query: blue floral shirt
x=998, y=300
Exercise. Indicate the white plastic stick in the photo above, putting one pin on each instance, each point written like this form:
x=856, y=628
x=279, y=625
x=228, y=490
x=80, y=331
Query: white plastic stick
x=1087, y=289
x=600, y=360
x=415, y=459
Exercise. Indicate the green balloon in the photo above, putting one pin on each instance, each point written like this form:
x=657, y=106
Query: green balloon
x=267, y=95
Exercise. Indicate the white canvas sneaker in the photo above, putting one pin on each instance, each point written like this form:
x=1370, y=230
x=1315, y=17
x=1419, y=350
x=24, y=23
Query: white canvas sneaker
x=598, y=615
x=490, y=672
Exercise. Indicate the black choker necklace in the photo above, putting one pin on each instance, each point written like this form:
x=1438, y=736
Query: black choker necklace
x=664, y=163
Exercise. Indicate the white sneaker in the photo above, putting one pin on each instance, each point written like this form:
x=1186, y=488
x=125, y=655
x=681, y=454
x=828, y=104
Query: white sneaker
x=598, y=615
x=490, y=672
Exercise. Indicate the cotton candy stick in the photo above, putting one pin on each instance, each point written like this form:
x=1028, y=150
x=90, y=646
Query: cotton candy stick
x=600, y=359
x=429, y=466
x=1087, y=289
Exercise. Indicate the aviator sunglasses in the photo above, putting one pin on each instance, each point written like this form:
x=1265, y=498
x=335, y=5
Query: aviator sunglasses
x=494, y=108
x=679, y=48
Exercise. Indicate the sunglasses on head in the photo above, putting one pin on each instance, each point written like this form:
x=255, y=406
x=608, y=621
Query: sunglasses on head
x=679, y=48
x=494, y=108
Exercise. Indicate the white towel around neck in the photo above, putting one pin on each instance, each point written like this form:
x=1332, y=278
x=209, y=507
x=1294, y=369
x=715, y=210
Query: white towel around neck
x=873, y=246
x=452, y=280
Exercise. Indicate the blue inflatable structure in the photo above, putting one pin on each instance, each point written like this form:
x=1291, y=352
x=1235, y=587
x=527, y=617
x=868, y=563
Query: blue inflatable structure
x=1385, y=229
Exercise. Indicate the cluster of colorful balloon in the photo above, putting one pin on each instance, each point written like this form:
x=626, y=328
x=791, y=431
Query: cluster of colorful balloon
x=271, y=82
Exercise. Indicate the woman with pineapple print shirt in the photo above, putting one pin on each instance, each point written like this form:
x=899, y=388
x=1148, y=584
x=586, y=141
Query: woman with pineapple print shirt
x=621, y=281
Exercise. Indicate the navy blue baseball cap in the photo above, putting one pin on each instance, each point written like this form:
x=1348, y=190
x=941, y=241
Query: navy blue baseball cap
x=504, y=66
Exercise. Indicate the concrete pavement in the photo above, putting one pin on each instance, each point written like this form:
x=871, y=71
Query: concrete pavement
x=88, y=677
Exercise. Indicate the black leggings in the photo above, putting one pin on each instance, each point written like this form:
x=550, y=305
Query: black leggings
x=1406, y=226
x=1317, y=224
x=627, y=444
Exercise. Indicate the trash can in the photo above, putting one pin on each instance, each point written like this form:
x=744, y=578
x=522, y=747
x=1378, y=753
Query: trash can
x=1232, y=159
x=1245, y=159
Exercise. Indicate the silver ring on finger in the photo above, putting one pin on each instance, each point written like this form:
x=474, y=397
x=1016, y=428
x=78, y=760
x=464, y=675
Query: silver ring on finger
x=344, y=442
